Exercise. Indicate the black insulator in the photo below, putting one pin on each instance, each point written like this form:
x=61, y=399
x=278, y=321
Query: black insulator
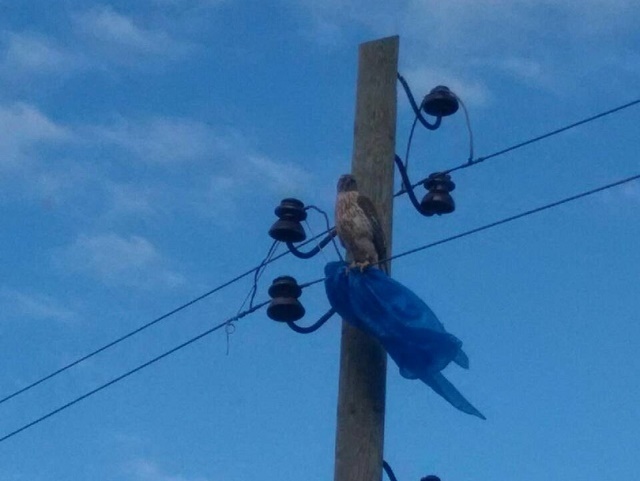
x=284, y=305
x=287, y=228
x=438, y=200
x=440, y=102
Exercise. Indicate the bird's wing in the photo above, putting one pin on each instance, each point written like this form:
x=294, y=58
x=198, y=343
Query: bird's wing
x=378, y=234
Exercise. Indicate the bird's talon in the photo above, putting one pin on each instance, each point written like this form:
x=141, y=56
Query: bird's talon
x=362, y=265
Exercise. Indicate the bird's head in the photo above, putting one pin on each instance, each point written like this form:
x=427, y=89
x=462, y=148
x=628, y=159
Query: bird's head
x=347, y=183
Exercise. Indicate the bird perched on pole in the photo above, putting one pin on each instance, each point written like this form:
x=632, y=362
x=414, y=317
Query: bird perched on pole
x=358, y=226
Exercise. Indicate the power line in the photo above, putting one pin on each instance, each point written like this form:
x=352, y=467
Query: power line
x=328, y=226
x=124, y=337
x=146, y=326
x=238, y=316
x=515, y=217
x=308, y=284
x=478, y=160
x=117, y=379
x=501, y=221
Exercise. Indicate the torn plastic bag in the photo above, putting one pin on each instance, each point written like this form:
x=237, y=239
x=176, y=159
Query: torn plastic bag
x=408, y=330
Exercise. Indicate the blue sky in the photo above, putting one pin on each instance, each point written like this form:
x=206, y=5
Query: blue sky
x=143, y=147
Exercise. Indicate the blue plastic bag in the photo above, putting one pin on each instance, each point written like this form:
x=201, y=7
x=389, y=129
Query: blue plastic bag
x=409, y=331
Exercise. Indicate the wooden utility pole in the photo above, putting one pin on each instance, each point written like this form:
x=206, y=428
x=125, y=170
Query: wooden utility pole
x=363, y=361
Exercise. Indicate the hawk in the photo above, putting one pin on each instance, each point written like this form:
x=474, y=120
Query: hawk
x=358, y=226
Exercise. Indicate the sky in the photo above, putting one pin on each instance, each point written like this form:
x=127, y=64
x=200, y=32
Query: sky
x=143, y=148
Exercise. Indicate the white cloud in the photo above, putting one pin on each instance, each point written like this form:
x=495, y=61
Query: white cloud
x=376, y=14
x=623, y=195
x=278, y=177
x=194, y=165
x=128, y=261
x=24, y=128
x=189, y=3
x=249, y=177
x=423, y=79
x=546, y=44
x=632, y=191
x=130, y=199
x=329, y=19
x=162, y=139
x=159, y=140
x=101, y=38
x=58, y=182
x=122, y=34
x=34, y=53
x=233, y=168
x=20, y=305
x=146, y=470
x=523, y=67
x=597, y=17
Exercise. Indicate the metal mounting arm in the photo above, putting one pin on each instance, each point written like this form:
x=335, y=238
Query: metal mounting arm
x=313, y=327
x=308, y=255
x=415, y=107
x=407, y=185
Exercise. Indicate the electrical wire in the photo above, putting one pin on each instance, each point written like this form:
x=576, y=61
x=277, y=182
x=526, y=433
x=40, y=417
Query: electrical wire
x=119, y=378
x=113, y=381
x=408, y=150
x=256, y=270
x=530, y=141
x=258, y=273
x=499, y=222
x=230, y=328
x=308, y=284
x=468, y=124
x=413, y=127
x=143, y=327
x=263, y=264
x=329, y=228
x=515, y=217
